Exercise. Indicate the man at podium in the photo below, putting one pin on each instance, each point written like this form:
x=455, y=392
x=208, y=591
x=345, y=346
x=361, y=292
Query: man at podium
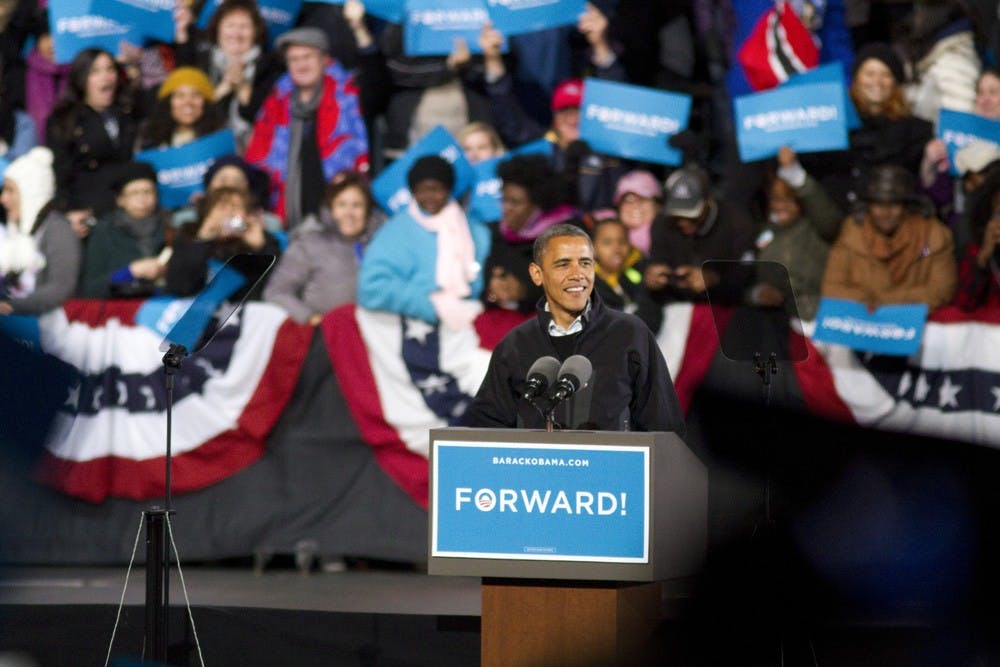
x=629, y=387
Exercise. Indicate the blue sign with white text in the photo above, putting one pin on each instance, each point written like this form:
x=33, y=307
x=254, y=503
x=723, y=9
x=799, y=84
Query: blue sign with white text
x=513, y=17
x=631, y=121
x=432, y=26
x=808, y=118
x=958, y=129
x=75, y=26
x=829, y=73
x=179, y=171
x=390, y=189
x=540, y=502
x=484, y=204
x=150, y=19
x=894, y=329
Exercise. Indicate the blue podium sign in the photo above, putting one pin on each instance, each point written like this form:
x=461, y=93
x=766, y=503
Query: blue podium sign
x=631, y=121
x=808, y=118
x=895, y=329
x=541, y=502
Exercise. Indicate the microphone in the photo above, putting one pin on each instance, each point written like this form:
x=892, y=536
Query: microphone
x=540, y=376
x=573, y=374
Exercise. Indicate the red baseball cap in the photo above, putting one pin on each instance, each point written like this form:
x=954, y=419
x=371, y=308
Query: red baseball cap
x=569, y=94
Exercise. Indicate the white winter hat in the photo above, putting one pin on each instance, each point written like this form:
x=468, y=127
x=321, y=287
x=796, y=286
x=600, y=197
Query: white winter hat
x=36, y=183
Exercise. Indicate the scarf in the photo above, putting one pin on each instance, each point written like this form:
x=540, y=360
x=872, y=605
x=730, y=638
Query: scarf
x=456, y=254
x=145, y=231
x=899, y=251
x=302, y=113
x=536, y=224
x=241, y=128
x=19, y=252
x=640, y=238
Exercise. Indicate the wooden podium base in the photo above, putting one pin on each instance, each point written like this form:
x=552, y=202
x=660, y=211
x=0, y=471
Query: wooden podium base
x=568, y=623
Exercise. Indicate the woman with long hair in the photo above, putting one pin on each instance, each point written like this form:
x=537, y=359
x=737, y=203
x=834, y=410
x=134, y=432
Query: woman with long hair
x=183, y=111
x=889, y=132
x=91, y=133
x=319, y=270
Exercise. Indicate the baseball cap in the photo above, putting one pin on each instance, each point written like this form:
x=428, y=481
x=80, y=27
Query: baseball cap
x=687, y=193
x=639, y=182
x=568, y=94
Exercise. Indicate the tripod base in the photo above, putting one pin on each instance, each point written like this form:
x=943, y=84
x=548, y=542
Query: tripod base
x=157, y=582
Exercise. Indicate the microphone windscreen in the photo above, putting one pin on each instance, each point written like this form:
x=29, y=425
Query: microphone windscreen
x=577, y=370
x=546, y=368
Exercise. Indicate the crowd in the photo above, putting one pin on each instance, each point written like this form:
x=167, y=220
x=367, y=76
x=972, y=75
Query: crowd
x=333, y=101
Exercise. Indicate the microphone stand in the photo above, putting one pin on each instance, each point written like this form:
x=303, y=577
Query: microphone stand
x=157, y=542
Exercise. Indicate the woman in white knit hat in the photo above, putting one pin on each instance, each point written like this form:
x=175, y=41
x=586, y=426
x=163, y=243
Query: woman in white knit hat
x=39, y=253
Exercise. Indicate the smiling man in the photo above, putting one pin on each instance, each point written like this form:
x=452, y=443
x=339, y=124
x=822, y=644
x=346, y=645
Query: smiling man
x=309, y=128
x=630, y=389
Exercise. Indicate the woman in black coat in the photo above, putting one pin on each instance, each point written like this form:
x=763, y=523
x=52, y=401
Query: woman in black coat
x=91, y=134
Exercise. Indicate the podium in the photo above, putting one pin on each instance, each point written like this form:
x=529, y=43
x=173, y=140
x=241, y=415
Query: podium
x=572, y=533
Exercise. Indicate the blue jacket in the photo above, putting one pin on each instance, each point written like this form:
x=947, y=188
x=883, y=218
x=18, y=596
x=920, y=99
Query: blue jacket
x=398, y=270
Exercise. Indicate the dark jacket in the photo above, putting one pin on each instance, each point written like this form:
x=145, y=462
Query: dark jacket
x=630, y=388
x=726, y=234
x=86, y=160
x=187, y=271
x=108, y=249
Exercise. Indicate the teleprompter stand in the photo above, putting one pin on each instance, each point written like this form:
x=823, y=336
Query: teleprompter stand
x=204, y=317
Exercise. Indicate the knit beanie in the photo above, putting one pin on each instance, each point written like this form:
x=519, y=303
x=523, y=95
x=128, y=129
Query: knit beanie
x=36, y=184
x=133, y=171
x=431, y=168
x=187, y=76
x=882, y=52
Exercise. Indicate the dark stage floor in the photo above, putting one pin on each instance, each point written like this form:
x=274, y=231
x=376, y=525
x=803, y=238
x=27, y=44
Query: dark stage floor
x=65, y=616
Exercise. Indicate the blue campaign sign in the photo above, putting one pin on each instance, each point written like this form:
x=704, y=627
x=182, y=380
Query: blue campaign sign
x=957, y=130
x=179, y=171
x=808, y=118
x=389, y=10
x=829, y=73
x=390, y=189
x=484, y=204
x=280, y=15
x=433, y=25
x=150, y=19
x=75, y=26
x=540, y=502
x=895, y=329
x=22, y=329
x=631, y=121
x=513, y=17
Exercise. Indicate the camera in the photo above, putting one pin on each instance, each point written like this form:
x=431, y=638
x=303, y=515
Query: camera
x=234, y=225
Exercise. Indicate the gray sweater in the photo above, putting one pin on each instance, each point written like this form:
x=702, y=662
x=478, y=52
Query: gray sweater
x=63, y=254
